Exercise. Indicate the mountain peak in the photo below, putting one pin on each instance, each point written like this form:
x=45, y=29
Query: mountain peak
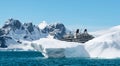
x=42, y=25
x=12, y=23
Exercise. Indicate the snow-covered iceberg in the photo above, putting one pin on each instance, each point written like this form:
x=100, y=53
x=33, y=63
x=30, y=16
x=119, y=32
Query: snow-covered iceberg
x=56, y=48
x=105, y=31
x=106, y=45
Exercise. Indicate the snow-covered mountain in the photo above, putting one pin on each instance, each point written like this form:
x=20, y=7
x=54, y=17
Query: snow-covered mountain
x=27, y=31
x=57, y=30
x=13, y=32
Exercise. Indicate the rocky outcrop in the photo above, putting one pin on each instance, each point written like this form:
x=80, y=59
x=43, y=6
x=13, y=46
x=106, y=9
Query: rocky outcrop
x=2, y=42
x=13, y=24
x=29, y=27
x=2, y=32
x=57, y=30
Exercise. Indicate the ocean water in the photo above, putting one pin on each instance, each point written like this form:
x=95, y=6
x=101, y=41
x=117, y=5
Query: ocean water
x=30, y=58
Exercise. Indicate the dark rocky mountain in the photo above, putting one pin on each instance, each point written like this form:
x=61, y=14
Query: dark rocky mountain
x=57, y=30
x=12, y=24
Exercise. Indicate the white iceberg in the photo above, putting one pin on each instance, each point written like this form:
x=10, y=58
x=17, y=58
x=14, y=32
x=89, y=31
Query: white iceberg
x=56, y=49
x=106, y=45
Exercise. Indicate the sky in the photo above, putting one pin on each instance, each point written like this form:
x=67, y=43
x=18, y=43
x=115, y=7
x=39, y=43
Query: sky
x=91, y=14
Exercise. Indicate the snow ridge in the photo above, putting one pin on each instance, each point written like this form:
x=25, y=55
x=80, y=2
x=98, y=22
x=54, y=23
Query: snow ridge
x=42, y=25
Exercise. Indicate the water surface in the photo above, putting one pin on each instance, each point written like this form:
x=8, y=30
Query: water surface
x=30, y=58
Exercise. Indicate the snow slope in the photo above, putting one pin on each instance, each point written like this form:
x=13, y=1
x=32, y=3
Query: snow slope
x=105, y=46
x=105, y=31
x=25, y=46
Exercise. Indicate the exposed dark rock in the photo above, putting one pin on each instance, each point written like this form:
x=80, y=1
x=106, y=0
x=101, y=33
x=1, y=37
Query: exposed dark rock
x=17, y=24
x=19, y=42
x=2, y=42
x=29, y=26
x=2, y=32
x=25, y=37
x=22, y=28
x=13, y=24
x=57, y=30
x=77, y=31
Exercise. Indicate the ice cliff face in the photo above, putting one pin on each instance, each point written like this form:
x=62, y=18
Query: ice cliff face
x=57, y=49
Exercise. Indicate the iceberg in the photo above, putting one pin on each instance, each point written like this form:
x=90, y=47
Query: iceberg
x=57, y=49
x=106, y=45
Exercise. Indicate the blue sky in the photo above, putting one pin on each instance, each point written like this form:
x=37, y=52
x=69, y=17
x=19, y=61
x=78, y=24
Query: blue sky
x=91, y=14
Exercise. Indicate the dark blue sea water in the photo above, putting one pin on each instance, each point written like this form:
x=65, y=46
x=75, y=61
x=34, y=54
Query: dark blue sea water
x=25, y=58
